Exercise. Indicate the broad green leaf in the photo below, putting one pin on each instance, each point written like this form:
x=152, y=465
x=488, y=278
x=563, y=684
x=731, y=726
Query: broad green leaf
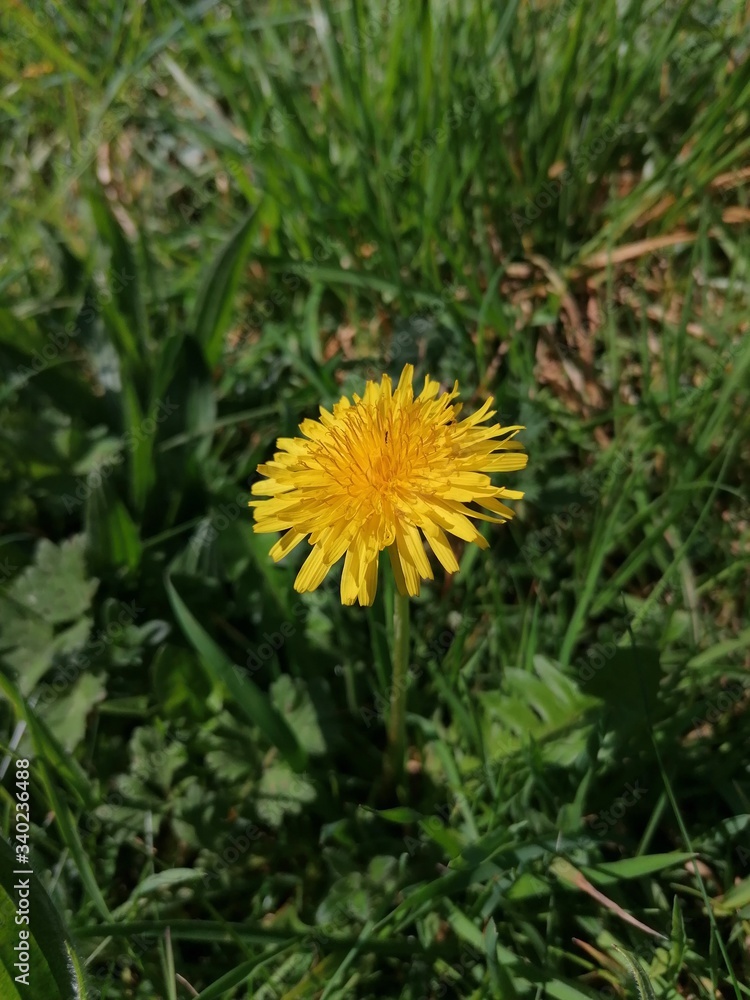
x=155, y=758
x=66, y=716
x=612, y=871
x=292, y=701
x=66, y=641
x=737, y=897
x=528, y=886
x=281, y=793
x=27, y=644
x=541, y=706
x=56, y=586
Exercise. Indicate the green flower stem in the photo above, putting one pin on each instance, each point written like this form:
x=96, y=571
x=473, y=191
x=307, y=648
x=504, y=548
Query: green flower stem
x=397, y=721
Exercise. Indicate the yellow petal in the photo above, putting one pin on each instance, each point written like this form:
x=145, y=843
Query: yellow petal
x=451, y=520
x=440, y=546
x=398, y=570
x=369, y=579
x=415, y=548
x=404, y=392
x=430, y=390
x=408, y=564
x=497, y=508
x=313, y=571
x=507, y=463
x=313, y=430
x=286, y=543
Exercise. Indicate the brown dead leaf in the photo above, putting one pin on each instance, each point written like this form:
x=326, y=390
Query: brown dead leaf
x=570, y=366
x=599, y=956
x=735, y=215
x=518, y=270
x=344, y=339
x=698, y=867
x=565, y=871
x=35, y=70
x=640, y=248
x=556, y=169
x=732, y=179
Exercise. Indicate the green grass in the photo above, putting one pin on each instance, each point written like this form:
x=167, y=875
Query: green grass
x=217, y=217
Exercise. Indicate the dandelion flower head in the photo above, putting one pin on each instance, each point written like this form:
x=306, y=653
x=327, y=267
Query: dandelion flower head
x=385, y=472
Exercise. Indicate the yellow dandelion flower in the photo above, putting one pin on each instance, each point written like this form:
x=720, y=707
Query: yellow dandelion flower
x=374, y=474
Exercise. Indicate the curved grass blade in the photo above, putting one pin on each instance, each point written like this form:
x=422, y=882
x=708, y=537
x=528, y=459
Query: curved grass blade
x=238, y=975
x=215, y=298
x=53, y=971
x=642, y=982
